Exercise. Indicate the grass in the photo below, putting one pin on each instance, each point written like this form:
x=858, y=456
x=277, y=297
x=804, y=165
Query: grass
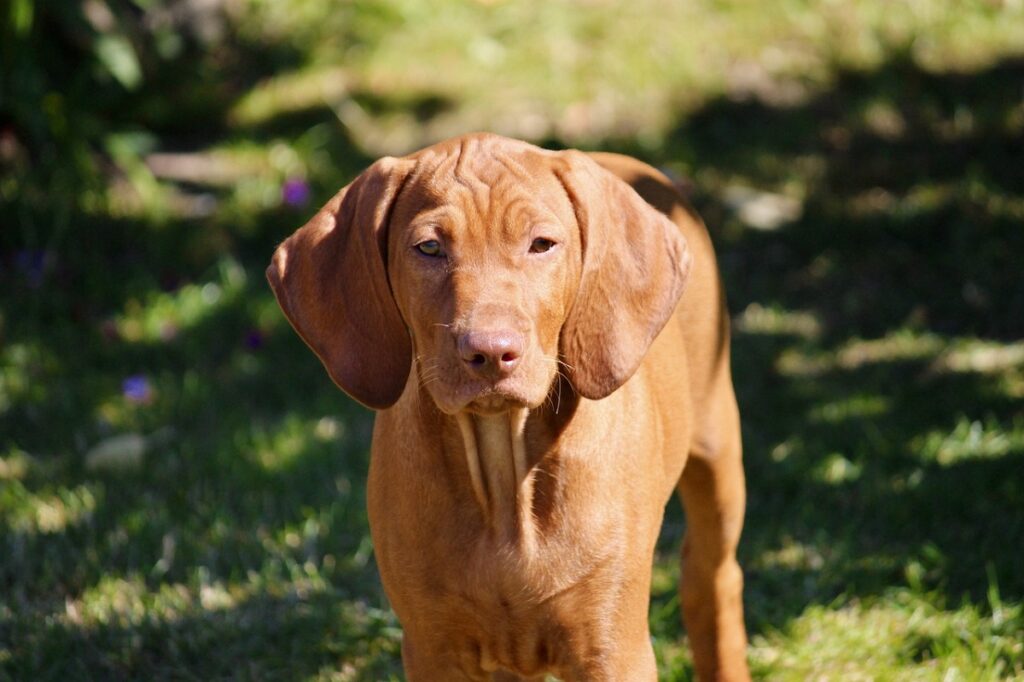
x=182, y=488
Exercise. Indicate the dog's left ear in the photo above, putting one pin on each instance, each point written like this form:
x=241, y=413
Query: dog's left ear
x=635, y=265
x=331, y=281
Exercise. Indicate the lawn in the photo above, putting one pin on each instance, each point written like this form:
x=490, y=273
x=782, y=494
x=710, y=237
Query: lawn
x=182, y=487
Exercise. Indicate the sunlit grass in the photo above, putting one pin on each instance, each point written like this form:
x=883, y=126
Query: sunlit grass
x=985, y=357
x=906, y=636
x=899, y=346
x=164, y=316
x=21, y=367
x=281, y=447
x=855, y=407
x=791, y=555
x=289, y=93
x=14, y=466
x=587, y=71
x=758, y=319
x=970, y=439
x=48, y=511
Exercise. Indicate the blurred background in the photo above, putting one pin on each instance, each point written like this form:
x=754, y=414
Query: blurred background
x=181, y=486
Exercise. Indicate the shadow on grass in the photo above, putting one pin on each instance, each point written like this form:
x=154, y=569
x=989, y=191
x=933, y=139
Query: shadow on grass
x=260, y=488
x=256, y=484
x=912, y=206
x=291, y=636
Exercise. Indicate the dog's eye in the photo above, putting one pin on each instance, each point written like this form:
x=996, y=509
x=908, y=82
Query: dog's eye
x=540, y=245
x=431, y=248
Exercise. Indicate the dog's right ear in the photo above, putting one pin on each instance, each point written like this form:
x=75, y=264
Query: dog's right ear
x=635, y=266
x=330, y=279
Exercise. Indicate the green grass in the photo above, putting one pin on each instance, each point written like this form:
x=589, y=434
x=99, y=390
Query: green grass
x=182, y=488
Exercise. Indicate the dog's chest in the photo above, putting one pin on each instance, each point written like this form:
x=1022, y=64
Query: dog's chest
x=524, y=583
x=520, y=613
x=525, y=557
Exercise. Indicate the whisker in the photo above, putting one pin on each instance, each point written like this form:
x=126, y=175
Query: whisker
x=539, y=470
x=558, y=361
x=427, y=364
x=558, y=391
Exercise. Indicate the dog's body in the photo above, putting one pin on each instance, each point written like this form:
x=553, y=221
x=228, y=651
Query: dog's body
x=515, y=507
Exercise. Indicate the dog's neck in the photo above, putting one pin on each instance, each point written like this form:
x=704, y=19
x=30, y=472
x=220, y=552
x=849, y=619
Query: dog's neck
x=496, y=457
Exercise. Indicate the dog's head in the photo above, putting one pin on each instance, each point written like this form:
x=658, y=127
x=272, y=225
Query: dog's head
x=485, y=266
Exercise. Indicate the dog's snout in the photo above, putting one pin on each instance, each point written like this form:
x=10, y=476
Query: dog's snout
x=491, y=353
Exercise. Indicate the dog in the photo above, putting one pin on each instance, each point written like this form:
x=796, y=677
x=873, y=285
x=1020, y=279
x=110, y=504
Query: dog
x=545, y=338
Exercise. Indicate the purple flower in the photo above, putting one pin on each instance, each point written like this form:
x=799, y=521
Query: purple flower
x=295, y=192
x=33, y=264
x=254, y=339
x=137, y=389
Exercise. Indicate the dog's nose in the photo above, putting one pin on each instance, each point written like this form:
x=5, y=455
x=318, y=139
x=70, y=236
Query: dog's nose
x=493, y=354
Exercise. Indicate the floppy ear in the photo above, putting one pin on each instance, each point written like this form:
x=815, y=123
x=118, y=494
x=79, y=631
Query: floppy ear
x=331, y=281
x=635, y=264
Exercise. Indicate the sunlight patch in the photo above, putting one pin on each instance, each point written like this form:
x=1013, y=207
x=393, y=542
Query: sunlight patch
x=165, y=315
x=759, y=210
x=792, y=555
x=46, y=513
x=969, y=439
x=274, y=451
x=911, y=635
x=758, y=319
x=24, y=371
x=14, y=466
x=900, y=346
x=289, y=93
x=128, y=601
x=855, y=407
x=836, y=469
x=278, y=448
x=983, y=357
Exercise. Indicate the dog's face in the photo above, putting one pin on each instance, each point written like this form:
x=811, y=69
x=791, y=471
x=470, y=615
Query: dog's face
x=481, y=267
x=484, y=260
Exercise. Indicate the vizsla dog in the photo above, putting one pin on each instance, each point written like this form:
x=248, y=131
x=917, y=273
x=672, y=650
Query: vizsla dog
x=545, y=338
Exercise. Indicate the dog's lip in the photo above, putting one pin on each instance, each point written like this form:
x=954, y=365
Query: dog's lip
x=459, y=392
x=494, y=402
x=487, y=399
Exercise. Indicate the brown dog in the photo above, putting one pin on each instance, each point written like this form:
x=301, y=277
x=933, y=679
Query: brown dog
x=517, y=317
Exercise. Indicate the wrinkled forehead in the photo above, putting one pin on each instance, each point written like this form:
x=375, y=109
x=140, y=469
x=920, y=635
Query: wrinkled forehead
x=487, y=184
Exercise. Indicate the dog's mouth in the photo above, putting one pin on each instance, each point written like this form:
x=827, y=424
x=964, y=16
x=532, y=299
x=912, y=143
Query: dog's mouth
x=482, y=398
x=454, y=390
x=495, y=402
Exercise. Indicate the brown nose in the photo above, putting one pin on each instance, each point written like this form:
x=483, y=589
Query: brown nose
x=493, y=354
